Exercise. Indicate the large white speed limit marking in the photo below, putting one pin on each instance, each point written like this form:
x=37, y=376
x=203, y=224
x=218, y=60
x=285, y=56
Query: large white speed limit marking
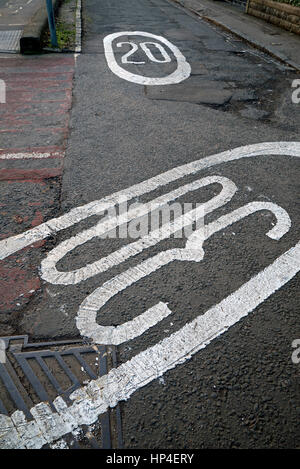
x=121, y=382
x=164, y=49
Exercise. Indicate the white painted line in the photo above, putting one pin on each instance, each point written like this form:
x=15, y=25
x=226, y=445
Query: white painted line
x=181, y=73
x=78, y=27
x=48, y=265
x=27, y=156
x=16, y=243
x=2, y=92
x=86, y=320
x=119, y=384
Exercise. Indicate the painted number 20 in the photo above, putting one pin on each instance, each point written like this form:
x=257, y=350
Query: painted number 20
x=144, y=46
x=152, y=44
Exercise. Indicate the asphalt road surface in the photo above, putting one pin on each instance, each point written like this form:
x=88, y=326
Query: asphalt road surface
x=203, y=328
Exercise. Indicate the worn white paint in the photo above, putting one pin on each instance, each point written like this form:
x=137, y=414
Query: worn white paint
x=134, y=48
x=296, y=93
x=166, y=58
x=78, y=27
x=120, y=383
x=147, y=51
x=93, y=399
x=182, y=71
x=50, y=273
x=30, y=156
x=2, y=92
x=87, y=314
x=15, y=243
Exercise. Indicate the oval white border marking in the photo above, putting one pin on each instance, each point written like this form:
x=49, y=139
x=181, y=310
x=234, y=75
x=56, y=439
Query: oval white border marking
x=120, y=383
x=182, y=72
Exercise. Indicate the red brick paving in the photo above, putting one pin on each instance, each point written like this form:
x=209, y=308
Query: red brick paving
x=28, y=174
x=35, y=118
x=38, y=98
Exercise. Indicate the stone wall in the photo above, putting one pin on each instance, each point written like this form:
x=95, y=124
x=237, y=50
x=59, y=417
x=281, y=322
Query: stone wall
x=281, y=14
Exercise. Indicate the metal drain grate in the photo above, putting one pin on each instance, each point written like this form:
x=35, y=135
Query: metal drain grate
x=10, y=40
x=39, y=372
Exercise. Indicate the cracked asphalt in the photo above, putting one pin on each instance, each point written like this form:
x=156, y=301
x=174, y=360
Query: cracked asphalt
x=242, y=389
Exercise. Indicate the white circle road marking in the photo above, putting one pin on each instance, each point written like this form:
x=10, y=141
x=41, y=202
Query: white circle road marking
x=181, y=73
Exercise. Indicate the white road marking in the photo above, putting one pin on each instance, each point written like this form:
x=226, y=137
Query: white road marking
x=2, y=92
x=130, y=53
x=88, y=310
x=181, y=73
x=27, y=156
x=15, y=243
x=78, y=27
x=147, y=51
x=151, y=57
x=120, y=383
x=50, y=273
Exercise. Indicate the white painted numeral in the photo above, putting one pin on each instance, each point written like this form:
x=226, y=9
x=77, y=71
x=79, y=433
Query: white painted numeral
x=162, y=50
x=130, y=53
x=182, y=71
x=145, y=48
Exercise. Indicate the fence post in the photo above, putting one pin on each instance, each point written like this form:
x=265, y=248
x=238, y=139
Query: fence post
x=51, y=22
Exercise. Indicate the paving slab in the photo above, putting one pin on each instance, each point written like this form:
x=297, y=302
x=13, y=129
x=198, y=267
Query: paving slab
x=22, y=24
x=17, y=12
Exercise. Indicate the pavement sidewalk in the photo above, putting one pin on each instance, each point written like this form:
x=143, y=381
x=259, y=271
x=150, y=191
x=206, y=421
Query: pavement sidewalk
x=22, y=23
x=15, y=15
x=17, y=12
x=279, y=43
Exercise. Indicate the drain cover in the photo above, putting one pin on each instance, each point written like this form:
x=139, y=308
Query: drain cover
x=39, y=372
x=10, y=40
